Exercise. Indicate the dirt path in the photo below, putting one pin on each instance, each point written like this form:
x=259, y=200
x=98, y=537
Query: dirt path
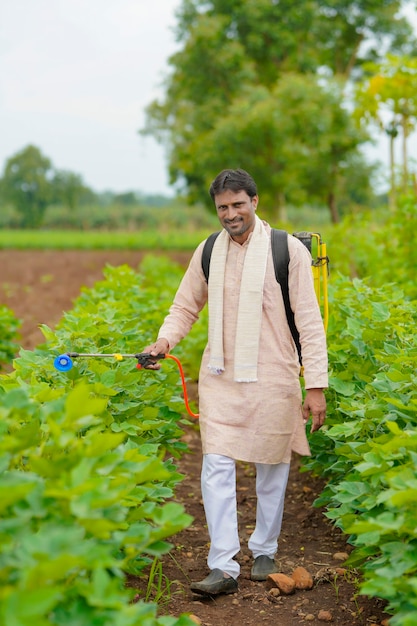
x=39, y=286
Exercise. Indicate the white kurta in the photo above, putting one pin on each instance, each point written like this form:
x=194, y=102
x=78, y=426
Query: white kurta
x=259, y=421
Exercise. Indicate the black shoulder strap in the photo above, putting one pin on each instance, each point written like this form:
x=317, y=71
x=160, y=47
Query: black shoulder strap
x=281, y=258
x=206, y=257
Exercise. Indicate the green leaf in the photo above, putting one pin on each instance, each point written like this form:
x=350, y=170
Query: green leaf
x=380, y=311
x=15, y=487
x=345, y=388
x=79, y=403
x=23, y=607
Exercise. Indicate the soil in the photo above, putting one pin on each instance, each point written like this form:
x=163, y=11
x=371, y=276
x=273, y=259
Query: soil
x=39, y=286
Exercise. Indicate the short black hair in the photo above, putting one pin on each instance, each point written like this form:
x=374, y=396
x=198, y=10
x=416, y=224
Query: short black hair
x=235, y=180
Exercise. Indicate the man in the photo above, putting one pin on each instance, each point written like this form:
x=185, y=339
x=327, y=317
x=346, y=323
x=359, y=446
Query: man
x=250, y=400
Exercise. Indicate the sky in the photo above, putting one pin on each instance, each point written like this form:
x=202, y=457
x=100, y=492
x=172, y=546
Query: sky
x=75, y=79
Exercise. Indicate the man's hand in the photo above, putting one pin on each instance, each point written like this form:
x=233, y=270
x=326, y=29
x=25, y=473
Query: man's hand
x=314, y=405
x=161, y=346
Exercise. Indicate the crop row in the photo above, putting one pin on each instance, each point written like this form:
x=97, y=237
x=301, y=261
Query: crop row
x=367, y=451
x=87, y=466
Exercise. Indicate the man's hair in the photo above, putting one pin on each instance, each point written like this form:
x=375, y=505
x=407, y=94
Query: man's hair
x=235, y=180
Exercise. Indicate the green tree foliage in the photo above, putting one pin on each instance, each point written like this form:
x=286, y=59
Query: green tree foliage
x=296, y=127
x=223, y=97
x=284, y=36
x=30, y=184
x=387, y=97
x=70, y=190
x=27, y=185
x=129, y=198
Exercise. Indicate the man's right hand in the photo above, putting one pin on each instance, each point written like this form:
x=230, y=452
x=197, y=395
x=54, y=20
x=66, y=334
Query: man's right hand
x=161, y=346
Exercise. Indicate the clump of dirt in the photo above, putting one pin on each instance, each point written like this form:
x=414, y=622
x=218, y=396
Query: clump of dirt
x=39, y=286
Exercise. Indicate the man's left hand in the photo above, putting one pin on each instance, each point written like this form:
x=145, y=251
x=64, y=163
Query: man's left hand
x=314, y=405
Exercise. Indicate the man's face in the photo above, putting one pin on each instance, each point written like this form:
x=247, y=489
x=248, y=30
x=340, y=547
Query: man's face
x=236, y=212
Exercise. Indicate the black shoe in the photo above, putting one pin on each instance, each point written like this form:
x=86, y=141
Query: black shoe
x=215, y=584
x=263, y=565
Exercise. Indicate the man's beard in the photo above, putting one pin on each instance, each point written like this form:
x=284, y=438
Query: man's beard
x=236, y=232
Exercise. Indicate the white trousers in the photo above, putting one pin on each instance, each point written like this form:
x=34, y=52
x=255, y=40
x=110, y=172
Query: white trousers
x=218, y=486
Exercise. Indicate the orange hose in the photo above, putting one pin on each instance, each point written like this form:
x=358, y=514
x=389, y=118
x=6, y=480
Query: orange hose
x=184, y=386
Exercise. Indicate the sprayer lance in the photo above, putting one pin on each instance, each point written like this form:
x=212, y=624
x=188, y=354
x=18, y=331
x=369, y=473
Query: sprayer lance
x=63, y=363
x=143, y=358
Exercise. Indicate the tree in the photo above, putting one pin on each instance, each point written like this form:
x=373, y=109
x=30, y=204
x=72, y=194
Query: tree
x=69, y=189
x=288, y=36
x=235, y=54
x=27, y=185
x=30, y=183
x=296, y=140
x=128, y=198
x=388, y=97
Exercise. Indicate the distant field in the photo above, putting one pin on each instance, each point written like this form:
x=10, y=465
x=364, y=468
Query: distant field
x=100, y=240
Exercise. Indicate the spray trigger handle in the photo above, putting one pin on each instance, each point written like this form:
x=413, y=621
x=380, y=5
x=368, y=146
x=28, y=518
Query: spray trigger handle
x=145, y=359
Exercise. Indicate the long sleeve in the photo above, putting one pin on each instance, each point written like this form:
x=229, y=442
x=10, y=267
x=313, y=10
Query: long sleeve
x=190, y=298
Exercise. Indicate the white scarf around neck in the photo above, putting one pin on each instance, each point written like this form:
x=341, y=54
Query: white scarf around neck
x=249, y=317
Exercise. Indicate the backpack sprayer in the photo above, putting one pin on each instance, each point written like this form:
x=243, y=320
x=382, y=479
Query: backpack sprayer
x=320, y=262
x=320, y=269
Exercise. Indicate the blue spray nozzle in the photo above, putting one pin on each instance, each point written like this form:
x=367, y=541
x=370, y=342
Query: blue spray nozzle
x=63, y=363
